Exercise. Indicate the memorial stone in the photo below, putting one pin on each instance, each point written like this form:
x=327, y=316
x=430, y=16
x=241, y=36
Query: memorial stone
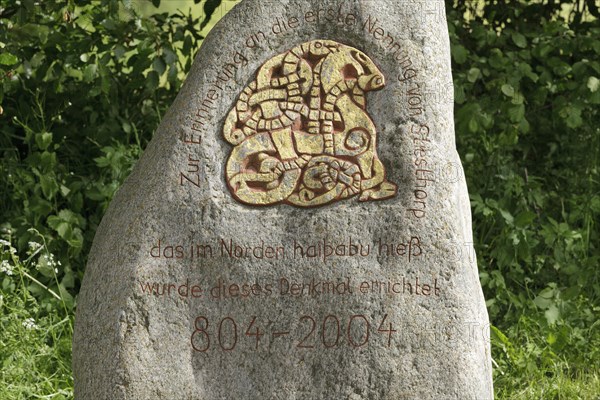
x=299, y=227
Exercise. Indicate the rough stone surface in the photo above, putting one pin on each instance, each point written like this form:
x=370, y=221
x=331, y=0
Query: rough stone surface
x=346, y=276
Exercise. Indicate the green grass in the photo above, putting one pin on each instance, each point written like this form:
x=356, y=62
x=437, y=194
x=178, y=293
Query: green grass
x=35, y=340
x=35, y=352
x=554, y=362
x=551, y=385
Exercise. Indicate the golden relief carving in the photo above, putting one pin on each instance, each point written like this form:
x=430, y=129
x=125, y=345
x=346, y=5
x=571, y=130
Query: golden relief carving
x=301, y=131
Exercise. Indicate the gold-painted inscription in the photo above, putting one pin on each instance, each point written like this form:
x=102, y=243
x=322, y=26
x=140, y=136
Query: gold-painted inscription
x=301, y=133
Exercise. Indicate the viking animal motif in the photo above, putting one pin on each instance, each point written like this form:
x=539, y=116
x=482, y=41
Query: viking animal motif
x=301, y=133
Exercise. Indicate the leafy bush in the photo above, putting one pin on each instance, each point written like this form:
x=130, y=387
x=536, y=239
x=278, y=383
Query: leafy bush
x=83, y=89
x=528, y=125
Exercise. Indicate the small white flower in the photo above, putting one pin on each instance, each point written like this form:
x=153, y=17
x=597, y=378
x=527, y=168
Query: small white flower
x=56, y=270
x=4, y=242
x=34, y=246
x=48, y=260
x=29, y=323
x=6, y=268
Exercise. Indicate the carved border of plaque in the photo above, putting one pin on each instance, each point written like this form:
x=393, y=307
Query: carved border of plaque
x=301, y=132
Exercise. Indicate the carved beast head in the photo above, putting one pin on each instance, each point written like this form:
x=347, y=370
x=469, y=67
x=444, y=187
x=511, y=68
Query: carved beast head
x=351, y=64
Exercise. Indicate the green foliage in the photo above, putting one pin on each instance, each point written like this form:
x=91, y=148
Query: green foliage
x=84, y=86
x=528, y=125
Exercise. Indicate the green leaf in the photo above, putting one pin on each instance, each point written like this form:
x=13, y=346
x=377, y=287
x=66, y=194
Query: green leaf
x=524, y=126
x=40, y=206
x=90, y=72
x=593, y=84
x=66, y=297
x=516, y=113
x=52, y=73
x=524, y=219
x=485, y=120
x=459, y=53
x=98, y=193
x=60, y=225
x=64, y=191
x=126, y=127
x=68, y=280
x=109, y=24
x=64, y=230
x=53, y=221
x=508, y=90
x=545, y=298
x=209, y=9
x=507, y=216
x=172, y=74
x=473, y=75
x=152, y=80
x=459, y=93
x=43, y=140
x=29, y=4
x=8, y=59
x=68, y=216
x=74, y=73
x=543, y=50
x=561, y=68
x=105, y=84
x=552, y=314
x=519, y=39
x=496, y=59
x=517, y=98
x=47, y=161
x=119, y=51
x=76, y=239
x=572, y=116
x=187, y=45
x=595, y=204
x=159, y=65
x=49, y=186
x=501, y=337
x=473, y=125
x=170, y=56
x=37, y=59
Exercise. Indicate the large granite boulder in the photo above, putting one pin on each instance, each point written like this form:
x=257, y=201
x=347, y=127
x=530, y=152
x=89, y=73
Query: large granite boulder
x=299, y=227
